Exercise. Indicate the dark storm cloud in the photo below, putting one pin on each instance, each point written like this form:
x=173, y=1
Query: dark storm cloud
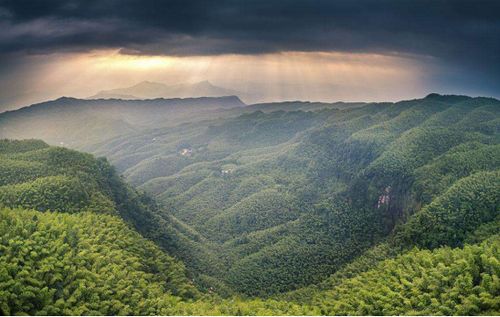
x=465, y=33
x=215, y=27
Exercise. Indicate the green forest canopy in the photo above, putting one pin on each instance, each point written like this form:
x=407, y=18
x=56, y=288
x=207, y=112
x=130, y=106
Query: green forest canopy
x=381, y=209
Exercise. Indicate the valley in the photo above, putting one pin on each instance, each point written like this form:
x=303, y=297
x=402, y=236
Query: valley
x=249, y=158
x=282, y=208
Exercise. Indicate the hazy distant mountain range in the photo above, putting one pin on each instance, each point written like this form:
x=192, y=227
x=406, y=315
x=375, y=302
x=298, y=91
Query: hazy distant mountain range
x=151, y=90
x=70, y=121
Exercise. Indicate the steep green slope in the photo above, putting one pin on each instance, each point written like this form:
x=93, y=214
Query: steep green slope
x=389, y=208
x=75, y=260
x=286, y=198
x=65, y=248
x=36, y=176
x=452, y=216
x=394, y=278
x=463, y=281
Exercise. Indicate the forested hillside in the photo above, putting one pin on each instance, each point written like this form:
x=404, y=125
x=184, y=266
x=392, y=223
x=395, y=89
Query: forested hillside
x=383, y=208
x=285, y=198
x=78, y=123
x=64, y=245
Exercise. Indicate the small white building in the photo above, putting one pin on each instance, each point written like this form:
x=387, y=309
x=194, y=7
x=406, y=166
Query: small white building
x=186, y=152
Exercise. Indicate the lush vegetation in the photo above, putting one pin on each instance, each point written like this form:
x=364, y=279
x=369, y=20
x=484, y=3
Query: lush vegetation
x=83, y=264
x=388, y=208
x=421, y=282
x=284, y=198
x=64, y=249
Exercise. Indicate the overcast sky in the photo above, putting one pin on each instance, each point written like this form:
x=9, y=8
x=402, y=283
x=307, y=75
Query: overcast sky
x=286, y=49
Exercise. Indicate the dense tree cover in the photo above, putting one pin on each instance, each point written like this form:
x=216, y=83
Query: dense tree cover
x=46, y=178
x=256, y=186
x=259, y=211
x=315, y=245
x=420, y=282
x=65, y=248
x=83, y=264
x=444, y=281
x=355, y=209
x=88, y=263
x=37, y=176
x=469, y=203
x=55, y=193
x=434, y=178
x=17, y=146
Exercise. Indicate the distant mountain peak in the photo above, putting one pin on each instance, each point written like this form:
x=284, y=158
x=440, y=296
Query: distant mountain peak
x=147, y=82
x=204, y=82
x=151, y=90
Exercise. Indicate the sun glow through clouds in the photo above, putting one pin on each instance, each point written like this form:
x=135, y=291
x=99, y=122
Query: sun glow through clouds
x=314, y=76
x=132, y=62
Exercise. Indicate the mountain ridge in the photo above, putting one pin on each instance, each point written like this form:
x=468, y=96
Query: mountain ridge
x=380, y=208
x=253, y=183
x=100, y=119
x=153, y=90
x=72, y=100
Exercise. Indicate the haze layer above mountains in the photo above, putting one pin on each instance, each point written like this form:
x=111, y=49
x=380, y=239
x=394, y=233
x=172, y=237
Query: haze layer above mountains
x=263, y=157
x=153, y=90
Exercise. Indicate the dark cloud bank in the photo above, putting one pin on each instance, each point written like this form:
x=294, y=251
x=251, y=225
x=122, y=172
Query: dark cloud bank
x=462, y=35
